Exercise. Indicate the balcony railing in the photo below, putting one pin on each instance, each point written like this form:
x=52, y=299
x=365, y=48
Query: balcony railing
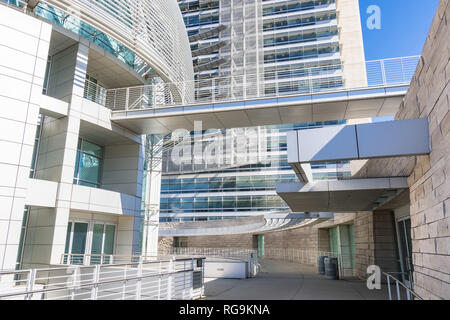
x=172, y=279
x=95, y=92
x=272, y=83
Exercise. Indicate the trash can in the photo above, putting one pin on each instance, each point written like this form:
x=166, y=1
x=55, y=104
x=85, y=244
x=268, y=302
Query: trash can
x=331, y=268
x=321, y=264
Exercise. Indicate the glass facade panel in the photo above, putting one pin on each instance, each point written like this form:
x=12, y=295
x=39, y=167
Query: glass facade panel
x=89, y=164
x=79, y=238
x=97, y=243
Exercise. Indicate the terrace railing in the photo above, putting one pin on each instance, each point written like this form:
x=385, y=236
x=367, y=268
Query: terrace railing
x=275, y=82
x=170, y=279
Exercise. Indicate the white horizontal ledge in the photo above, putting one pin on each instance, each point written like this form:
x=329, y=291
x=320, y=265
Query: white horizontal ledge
x=53, y=107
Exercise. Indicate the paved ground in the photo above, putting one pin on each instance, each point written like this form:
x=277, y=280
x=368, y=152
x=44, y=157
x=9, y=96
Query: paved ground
x=280, y=280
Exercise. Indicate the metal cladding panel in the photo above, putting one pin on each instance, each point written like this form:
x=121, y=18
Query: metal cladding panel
x=393, y=138
x=292, y=146
x=153, y=29
x=327, y=144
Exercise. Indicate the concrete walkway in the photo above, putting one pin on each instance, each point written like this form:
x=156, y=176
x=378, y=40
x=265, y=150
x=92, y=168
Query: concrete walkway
x=281, y=280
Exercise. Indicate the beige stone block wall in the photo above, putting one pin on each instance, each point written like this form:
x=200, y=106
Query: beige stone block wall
x=375, y=242
x=429, y=180
x=165, y=244
x=428, y=176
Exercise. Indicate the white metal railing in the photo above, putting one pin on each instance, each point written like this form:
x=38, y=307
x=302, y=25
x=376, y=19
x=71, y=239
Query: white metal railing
x=170, y=279
x=94, y=92
x=402, y=291
x=248, y=255
x=276, y=82
x=93, y=259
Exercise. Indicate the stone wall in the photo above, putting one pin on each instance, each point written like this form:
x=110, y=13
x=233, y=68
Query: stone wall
x=375, y=242
x=364, y=243
x=429, y=175
x=306, y=238
x=430, y=180
x=165, y=244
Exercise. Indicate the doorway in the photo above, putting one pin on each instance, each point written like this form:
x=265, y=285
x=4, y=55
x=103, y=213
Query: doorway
x=405, y=249
x=89, y=243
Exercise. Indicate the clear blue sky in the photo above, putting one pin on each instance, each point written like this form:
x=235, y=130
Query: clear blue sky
x=404, y=27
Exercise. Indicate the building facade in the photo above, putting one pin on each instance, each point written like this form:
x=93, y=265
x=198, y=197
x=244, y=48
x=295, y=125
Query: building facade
x=396, y=203
x=71, y=180
x=258, y=48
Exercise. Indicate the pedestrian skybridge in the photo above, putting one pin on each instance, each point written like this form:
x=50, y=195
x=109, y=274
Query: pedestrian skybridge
x=278, y=97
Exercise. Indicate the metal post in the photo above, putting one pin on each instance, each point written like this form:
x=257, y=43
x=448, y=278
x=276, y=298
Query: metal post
x=214, y=90
x=159, y=281
x=184, y=277
x=383, y=72
x=124, y=285
x=94, y=292
x=403, y=73
x=139, y=281
x=192, y=278
x=169, y=280
x=389, y=287
x=127, y=98
x=30, y=284
x=398, y=289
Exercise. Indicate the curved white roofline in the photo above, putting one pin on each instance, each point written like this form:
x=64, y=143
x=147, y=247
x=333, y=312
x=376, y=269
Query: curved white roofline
x=153, y=29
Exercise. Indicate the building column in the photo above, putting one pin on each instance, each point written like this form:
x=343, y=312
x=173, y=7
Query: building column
x=151, y=200
x=47, y=228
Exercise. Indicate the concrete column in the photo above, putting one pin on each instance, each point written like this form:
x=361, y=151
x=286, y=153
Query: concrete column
x=25, y=52
x=152, y=195
x=351, y=43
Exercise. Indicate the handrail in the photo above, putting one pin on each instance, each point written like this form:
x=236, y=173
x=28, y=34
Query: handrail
x=398, y=284
x=91, y=282
x=276, y=83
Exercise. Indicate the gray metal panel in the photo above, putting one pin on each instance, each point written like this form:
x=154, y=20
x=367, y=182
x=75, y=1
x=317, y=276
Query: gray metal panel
x=292, y=146
x=339, y=196
x=327, y=144
x=393, y=138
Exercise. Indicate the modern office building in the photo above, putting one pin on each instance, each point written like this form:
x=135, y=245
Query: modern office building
x=392, y=212
x=258, y=48
x=72, y=180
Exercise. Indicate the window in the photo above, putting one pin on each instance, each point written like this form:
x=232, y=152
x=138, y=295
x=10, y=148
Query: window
x=95, y=239
x=89, y=163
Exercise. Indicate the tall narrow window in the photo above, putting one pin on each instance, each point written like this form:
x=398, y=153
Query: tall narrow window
x=89, y=163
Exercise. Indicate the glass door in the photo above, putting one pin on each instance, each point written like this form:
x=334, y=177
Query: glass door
x=76, y=242
x=103, y=238
x=405, y=249
x=79, y=242
x=260, y=245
